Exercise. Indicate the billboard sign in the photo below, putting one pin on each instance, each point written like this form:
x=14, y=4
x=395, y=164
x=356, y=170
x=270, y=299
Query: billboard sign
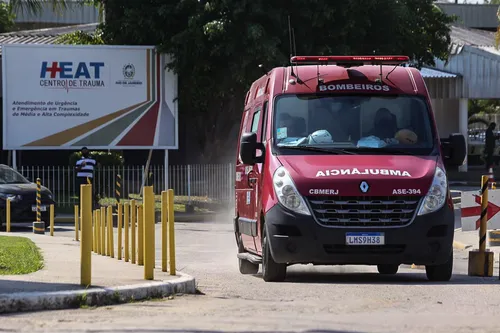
x=102, y=97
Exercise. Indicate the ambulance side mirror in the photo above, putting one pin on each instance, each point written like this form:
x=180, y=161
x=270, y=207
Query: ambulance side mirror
x=455, y=149
x=249, y=147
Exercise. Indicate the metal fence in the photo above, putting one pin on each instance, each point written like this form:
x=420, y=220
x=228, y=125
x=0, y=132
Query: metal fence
x=208, y=183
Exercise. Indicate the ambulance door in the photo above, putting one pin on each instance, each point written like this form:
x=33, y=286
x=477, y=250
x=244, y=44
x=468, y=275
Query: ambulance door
x=255, y=175
x=244, y=192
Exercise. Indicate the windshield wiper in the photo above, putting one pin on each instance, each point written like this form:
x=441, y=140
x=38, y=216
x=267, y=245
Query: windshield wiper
x=323, y=150
x=384, y=150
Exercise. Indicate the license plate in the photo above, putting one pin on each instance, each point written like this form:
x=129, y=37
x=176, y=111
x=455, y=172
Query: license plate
x=364, y=238
x=42, y=208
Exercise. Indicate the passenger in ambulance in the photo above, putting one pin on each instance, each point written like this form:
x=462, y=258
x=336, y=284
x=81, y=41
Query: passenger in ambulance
x=384, y=124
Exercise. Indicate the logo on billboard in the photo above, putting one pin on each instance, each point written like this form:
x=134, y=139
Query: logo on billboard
x=128, y=71
x=71, y=75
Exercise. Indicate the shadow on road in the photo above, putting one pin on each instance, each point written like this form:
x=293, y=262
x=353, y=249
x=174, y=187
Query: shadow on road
x=24, y=227
x=15, y=286
x=211, y=331
x=375, y=278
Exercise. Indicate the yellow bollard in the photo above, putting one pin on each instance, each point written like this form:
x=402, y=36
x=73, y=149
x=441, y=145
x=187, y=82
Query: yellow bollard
x=38, y=200
x=103, y=231
x=99, y=231
x=86, y=242
x=133, y=217
x=149, y=232
x=52, y=218
x=481, y=261
x=77, y=224
x=171, y=232
x=94, y=231
x=140, y=235
x=39, y=226
x=126, y=222
x=119, y=225
x=164, y=230
x=111, y=233
x=7, y=218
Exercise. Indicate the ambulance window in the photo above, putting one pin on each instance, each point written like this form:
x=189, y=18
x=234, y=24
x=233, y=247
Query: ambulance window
x=255, y=121
x=264, y=124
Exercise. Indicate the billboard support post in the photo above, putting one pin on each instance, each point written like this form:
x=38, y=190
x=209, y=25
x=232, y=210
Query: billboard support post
x=166, y=169
x=14, y=159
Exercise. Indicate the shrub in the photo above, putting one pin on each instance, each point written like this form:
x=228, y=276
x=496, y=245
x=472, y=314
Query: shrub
x=103, y=158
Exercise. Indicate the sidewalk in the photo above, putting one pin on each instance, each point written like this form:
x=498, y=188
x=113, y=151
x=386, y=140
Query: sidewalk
x=469, y=240
x=57, y=285
x=178, y=216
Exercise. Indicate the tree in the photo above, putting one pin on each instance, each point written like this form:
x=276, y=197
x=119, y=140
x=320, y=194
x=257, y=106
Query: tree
x=217, y=46
x=6, y=18
x=82, y=38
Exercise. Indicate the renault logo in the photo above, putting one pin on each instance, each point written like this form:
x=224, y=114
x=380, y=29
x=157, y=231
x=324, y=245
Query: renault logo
x=364, y=187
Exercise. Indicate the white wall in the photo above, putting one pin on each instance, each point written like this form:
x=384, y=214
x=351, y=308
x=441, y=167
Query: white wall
x=446, y=115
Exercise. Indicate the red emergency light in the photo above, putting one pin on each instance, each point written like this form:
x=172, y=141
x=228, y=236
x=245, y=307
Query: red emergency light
x=367, y=60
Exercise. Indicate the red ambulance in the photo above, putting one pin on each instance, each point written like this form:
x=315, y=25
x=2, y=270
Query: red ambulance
x=339, y=162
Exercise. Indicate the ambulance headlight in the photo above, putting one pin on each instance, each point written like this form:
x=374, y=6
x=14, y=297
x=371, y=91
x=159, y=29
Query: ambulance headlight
x=287, y=193
x=436, y=196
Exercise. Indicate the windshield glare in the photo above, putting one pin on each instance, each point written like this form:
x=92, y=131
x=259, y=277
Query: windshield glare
x=379, y=123
x=10, y=176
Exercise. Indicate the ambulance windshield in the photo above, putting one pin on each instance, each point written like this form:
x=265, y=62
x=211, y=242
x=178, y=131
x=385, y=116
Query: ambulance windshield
x=379, y=123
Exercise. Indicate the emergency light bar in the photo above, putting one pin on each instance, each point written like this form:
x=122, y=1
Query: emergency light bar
x=367, y=60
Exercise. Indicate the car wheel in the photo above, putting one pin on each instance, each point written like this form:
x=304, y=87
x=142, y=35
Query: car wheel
x=245, y=266
x=388, y=269
x=441, y=272
x=3, y=224
x=271, y=271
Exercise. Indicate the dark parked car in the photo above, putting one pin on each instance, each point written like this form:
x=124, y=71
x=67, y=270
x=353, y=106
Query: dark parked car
x=22, y=194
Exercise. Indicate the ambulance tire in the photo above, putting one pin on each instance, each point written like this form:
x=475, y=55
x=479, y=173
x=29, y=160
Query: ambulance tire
x=387, y=269
x=271, y=270
x=245, y=266
x=441, y=272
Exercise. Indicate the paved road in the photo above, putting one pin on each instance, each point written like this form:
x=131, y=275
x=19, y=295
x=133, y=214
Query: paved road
x=314, y=299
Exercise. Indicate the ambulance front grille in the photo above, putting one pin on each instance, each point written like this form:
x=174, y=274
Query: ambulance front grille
x=364, y=211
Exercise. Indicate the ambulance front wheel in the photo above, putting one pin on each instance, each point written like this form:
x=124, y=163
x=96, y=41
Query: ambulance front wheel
x=441, y=273
x=271, y=270
x=388, y=269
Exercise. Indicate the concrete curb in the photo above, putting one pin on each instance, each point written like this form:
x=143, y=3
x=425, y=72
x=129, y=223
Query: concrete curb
x=465, y=183
x=37, y=301
x=460, y=246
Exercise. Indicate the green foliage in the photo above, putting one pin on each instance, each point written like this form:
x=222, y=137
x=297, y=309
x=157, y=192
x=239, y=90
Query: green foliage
x=6, y=17
x=483, y=106
x=103, y=158
x=217, y=46
x=82, y=38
